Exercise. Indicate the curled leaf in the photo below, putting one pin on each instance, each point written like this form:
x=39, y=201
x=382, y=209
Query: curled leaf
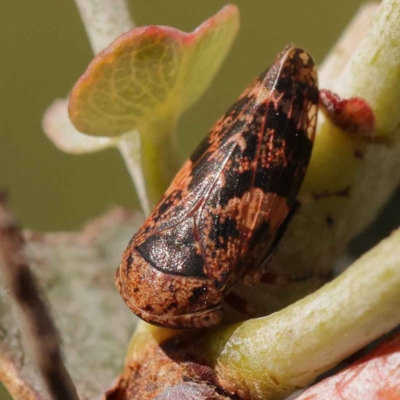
x=150, y=73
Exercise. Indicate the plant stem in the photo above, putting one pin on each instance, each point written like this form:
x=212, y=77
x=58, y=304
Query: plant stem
x=335, y=62
x=274, y=355
x=129, y=146
x=104, y=21
x=159, y=157
x=373, y=71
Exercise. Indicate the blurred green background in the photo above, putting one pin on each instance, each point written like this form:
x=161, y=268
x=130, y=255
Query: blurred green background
x=44, y=50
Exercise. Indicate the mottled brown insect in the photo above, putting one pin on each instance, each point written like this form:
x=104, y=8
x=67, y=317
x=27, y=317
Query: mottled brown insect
x=220, y=218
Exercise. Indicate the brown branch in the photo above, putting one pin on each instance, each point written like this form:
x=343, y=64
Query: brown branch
x=38, y=326
x=164, y=367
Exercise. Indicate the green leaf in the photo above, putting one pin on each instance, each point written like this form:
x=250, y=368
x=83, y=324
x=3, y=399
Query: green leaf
x=150, y=73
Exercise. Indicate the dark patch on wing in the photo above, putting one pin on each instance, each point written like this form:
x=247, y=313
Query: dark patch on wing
x=237, y=184
x=201, y=149
x=172, y=305
x=253, y=133
x=169, y=202
x=238, y=107
x=312, y=94
x=129, y=262
x=174, y=251
x=197, y=293
x=291, y=152
x=223, y=231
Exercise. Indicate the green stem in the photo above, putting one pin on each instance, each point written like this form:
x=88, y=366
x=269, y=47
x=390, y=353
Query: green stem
x=373, y=72
x=160, y=159
x=275, y=355
x=129, y=146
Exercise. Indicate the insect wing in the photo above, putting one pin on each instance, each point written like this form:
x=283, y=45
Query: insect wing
x=171, y=239
x=234, y=192
x=285, y=123
x=223, y=211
